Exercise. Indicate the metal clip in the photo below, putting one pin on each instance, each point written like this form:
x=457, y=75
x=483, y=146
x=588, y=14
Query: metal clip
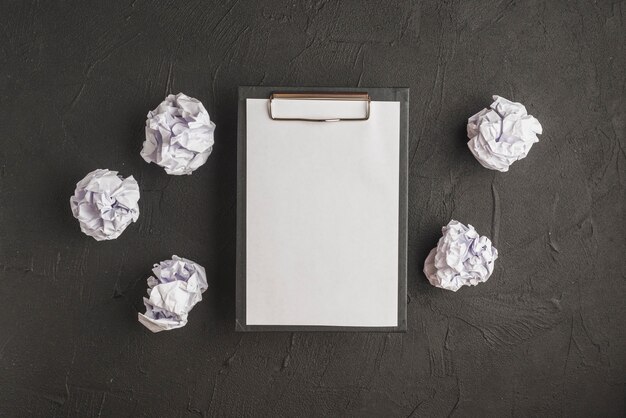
x=332, y=96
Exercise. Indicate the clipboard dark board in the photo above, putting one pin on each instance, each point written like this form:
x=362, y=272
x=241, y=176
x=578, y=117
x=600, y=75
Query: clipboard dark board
x=377, y=94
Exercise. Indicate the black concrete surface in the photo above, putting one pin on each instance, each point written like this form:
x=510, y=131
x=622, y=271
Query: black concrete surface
x=545, y=336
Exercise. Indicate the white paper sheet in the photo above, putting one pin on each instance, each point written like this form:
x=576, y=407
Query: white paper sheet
x=322, y=219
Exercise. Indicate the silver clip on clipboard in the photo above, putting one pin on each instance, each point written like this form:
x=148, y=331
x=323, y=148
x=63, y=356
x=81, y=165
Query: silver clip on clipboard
x=319, y=103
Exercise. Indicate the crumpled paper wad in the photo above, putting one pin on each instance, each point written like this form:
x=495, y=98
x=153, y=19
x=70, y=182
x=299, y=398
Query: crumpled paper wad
x=503, y=134
x=177, y=285
x=179, y=135
x=462, y=258
x=105, y=204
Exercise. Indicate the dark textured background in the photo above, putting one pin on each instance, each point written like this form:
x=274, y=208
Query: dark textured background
x=545, y=336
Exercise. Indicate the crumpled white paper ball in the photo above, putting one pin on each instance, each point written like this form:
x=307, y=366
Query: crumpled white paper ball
x=462, y=258
x=177, y=285
x=502, y=135
x=105, y=204
x=179, y=135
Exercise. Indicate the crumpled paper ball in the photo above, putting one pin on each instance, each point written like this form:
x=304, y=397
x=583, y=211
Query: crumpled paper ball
x=105, y=204
x=177, y=285
x=462, y=258
x=179, y=135
x=503, y=134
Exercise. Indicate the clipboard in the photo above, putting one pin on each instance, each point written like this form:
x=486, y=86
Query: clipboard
x=322, y=183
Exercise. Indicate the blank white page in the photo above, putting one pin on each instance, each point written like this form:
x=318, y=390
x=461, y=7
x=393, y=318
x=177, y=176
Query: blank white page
x=322, y=203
